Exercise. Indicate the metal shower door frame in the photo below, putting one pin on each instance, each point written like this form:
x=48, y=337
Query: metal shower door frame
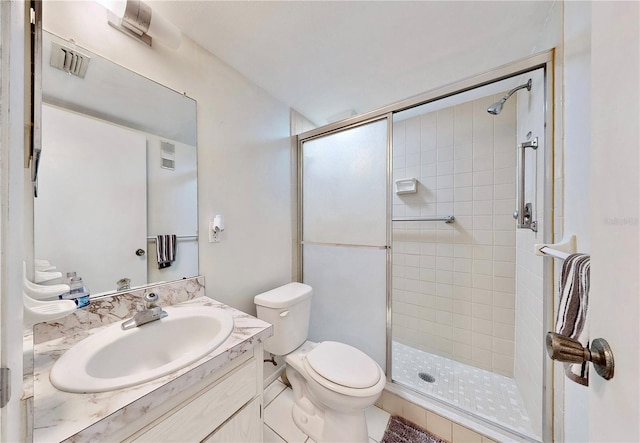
x=542, y=60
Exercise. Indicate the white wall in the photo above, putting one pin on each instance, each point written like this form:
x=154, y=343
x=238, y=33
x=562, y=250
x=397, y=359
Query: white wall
x=572, y=185
x=614, y=298
x=12, y=180
x=243, y=152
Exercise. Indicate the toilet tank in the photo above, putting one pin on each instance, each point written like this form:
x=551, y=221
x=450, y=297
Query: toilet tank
x=287, y=308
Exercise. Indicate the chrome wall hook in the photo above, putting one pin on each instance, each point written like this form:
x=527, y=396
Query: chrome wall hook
x=569, y=350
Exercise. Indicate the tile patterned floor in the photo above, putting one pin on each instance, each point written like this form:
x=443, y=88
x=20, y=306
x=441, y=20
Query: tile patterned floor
x=280, y=428
x=481, y=392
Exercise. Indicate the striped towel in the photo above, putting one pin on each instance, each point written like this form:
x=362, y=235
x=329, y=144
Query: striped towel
x=165, y=250
x=572, y=311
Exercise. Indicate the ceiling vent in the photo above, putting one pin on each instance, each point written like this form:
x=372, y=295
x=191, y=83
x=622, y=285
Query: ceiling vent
x=69, y=60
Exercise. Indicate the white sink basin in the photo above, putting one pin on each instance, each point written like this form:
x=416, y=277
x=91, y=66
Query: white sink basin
x=113, y=358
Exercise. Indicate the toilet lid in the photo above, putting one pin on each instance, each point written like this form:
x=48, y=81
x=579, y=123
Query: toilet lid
x=344, y=365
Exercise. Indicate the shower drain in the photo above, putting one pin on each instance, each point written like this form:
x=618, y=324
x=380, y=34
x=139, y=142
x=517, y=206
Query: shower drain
x=426, y=377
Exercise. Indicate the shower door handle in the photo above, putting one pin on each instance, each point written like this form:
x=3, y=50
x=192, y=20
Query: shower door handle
x=524, y=211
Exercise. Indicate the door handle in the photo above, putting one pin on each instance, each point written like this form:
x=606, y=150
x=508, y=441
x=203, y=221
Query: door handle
x=569, y=350
x=140, y=252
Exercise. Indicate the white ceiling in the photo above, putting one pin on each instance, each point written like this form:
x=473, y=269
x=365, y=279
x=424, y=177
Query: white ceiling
x=326, y=58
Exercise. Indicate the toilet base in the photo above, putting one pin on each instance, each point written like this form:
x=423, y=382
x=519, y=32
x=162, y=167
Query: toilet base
x=333, y=427
x=344, y=421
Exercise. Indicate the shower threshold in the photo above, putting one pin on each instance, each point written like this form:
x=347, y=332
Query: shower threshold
x=491, y=396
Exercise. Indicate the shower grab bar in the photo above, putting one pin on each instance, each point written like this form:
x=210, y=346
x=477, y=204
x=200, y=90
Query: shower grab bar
x=446, y=219
x=178, y=237
x=524, y=211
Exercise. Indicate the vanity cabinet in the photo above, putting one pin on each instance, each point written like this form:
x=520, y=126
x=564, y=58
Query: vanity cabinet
x=242, y=427
x=224, y=407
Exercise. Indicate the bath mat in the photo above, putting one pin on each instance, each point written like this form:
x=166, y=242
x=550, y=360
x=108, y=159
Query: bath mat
x=400, y=430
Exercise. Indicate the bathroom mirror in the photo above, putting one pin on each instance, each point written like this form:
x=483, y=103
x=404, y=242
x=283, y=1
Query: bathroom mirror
x=118, y=168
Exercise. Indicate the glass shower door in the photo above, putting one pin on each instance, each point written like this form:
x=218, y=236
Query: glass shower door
x=344, y=235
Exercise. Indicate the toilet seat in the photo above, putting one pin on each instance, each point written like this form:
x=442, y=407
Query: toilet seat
x=343, y=369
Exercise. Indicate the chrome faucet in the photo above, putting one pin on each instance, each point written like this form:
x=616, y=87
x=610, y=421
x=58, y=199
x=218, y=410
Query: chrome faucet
x=151, y=312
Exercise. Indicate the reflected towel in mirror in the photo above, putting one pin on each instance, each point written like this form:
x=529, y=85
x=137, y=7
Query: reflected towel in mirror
x=165, y=250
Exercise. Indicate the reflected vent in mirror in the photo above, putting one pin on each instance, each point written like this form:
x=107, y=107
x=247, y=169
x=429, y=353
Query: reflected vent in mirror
x=167, y=156
x=69, y=60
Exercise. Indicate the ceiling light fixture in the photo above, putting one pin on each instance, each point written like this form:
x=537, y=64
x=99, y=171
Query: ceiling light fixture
x=136, y=19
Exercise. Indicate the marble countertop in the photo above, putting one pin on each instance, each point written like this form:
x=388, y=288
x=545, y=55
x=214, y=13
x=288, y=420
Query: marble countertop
x=62, y=416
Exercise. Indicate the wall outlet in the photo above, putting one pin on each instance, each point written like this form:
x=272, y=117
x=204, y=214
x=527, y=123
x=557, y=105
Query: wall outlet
x=214, y=236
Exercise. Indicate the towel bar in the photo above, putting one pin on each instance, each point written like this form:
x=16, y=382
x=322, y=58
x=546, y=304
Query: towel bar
x=546, y=250
x=563, y=249
x=446, y=219
x=178, y=237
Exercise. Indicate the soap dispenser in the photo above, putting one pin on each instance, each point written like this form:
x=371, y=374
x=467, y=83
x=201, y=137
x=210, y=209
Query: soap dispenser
x=77, y=291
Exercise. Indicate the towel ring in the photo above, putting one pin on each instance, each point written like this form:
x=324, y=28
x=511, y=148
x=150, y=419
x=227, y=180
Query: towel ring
x=569, y=350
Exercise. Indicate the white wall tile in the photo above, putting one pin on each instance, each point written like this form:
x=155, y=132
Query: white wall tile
x=503, y=347
x=462, y=251
x=445, y=154
x=428, y=170
x=412, y=136
x=504, y=315
x=444, y=182
x=445, y=127
x=505, y=253
x=412, y=160
x=504, y=176
x=504, y=269
x=482, y=121
x=463, y=151
x=446, y=167
x=463, y=165
x=504, y=191
x=483, y=207
x=482, y=311
x=429, y=156
x=482, y=341
x=483, y=296
x=505, y=159
x=482, y=192
x=504, y=300
x=448, y=275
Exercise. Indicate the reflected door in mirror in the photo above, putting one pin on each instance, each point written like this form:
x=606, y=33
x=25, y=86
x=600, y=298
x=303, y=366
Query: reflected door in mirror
x=91, y=207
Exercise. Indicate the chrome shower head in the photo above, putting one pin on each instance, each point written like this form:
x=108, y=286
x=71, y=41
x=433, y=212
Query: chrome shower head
x=496, y=108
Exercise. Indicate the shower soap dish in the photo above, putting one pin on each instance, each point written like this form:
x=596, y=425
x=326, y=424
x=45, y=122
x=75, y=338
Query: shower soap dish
x=406, y=186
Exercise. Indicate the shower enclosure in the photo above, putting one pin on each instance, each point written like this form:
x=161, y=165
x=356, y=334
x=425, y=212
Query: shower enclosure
x=407, y=235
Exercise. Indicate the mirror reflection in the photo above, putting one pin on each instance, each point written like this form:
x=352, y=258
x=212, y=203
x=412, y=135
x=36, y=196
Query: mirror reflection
x=118, y=168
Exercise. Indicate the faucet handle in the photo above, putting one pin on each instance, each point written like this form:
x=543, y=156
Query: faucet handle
x=150, y=300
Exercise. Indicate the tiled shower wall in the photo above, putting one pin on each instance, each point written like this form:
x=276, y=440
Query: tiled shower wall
x=454, y=284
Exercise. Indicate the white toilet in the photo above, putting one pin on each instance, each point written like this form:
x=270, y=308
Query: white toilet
x=333, y=383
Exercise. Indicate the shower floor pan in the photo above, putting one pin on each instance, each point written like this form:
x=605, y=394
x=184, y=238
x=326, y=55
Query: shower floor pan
x=484, y=393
